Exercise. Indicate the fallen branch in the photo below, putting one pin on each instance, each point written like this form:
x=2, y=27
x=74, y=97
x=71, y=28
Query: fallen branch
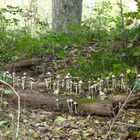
x=121, y=108
x=18, y=97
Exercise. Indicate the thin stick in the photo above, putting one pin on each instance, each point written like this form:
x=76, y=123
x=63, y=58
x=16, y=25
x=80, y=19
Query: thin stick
x=18, y=117
x=111, y=126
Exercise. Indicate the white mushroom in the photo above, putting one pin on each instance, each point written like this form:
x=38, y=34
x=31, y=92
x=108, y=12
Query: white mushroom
x=31, y=82
x=71, y=105
x=57, y=104
x=80, y=86
x=68, y=104
x=75, y=107
x=23, y=79
x=14, y=78
x=113, y=82
x=122, y=86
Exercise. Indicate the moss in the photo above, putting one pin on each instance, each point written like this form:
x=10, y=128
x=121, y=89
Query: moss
x=87, y=101
x=135, y=134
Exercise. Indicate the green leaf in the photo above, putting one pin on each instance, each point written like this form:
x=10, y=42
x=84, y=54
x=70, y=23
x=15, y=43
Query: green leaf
x=2, y=122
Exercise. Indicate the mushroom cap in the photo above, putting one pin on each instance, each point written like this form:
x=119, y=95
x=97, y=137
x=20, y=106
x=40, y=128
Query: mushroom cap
x=48, y=73
x=92, y=86
x=122, y=75
x=58, y=76
x=107, y=78
x=98, y=78
x=101, y=81
x=13, y=73
x=24, y=74
x=102, y=93
x=80, y=82
x=113, y=76
x=89, y=82
x=68, y=100
x=7, y=72
x=75, y=103
x=57, y=100
x=23, y=77
x=31, y=78
x=75, y=83
x=138, y=76
x=71, y=100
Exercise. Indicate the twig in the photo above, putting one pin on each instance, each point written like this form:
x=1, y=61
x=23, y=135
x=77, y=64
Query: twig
x=111, y=126
x=132, y=125
x=18, y=117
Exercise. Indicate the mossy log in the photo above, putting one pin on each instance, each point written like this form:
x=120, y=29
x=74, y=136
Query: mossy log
x=48, y=102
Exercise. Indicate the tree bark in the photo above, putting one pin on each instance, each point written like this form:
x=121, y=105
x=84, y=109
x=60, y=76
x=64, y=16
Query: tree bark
x=65, y=13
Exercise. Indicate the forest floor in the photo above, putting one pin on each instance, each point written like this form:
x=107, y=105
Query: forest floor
x=37, y=124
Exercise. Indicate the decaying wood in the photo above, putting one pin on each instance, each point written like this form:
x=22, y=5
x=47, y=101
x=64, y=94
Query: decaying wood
x=48, y=102
x=133, y=101
x=22, y=65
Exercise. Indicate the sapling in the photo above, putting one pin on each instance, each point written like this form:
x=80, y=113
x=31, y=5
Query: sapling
x=75, y=107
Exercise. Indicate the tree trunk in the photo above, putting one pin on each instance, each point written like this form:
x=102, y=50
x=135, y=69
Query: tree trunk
x=65, y=13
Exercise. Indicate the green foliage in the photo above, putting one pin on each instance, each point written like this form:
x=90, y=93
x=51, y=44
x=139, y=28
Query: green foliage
x=96, y=48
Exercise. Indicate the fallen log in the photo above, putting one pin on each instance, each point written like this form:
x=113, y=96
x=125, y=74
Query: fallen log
x=133, y=101
x=22, y=64
x=48, y=102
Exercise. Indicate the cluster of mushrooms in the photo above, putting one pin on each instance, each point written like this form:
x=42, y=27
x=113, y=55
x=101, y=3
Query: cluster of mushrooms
x=72, y=86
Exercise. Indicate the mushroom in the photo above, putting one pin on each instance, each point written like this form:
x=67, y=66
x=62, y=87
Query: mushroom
x=57, y=104
x=80, y=86
x=5, y=75
x=89, y=84
x=102, y=94
x=122, y=86
x=17, y=80
x=113, y=82
x=46, y=83
x=49, y=79
x=76, y=88
x=107, y=82
x=71, y=105
x=23, y=82
x=31, y=82
x=92, y=91
x=14, y=78
x=56, y=88
x=68, y=103
x=68, y=80
x=75, y=107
